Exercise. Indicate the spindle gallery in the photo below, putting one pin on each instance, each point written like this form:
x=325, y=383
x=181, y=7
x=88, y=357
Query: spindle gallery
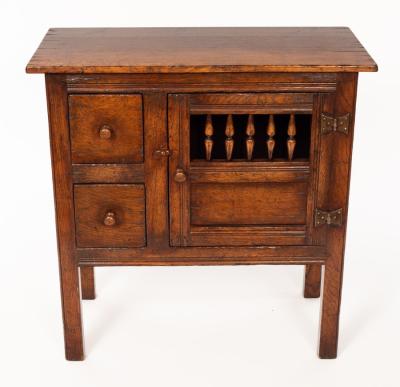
x=201, y=146
x=250, y=142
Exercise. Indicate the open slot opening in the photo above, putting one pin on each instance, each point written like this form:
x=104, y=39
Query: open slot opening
x=245, y=137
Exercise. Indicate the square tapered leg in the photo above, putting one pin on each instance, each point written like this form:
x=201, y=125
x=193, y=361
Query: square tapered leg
x=63, y=197
x=329, y=328
x=312, y=281
x=87, y=283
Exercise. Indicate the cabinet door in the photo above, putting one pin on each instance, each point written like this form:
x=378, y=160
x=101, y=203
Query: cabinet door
x=241, y=171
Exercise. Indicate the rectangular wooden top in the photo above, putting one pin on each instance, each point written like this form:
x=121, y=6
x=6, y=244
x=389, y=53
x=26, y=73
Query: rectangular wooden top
x=197, y=50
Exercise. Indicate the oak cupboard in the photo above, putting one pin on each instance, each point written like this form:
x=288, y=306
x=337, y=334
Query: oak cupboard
x=201, y=146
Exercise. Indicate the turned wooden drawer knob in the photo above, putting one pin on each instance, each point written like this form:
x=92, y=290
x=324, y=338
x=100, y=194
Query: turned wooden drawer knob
x=109, y=219
x=180, y=175
x=105, y=132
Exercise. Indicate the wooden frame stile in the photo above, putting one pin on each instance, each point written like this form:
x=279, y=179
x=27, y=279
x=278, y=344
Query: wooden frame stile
x=178, y=120
x=156, y=169
x=342, y=102
x=57, y=100
x=312, y=272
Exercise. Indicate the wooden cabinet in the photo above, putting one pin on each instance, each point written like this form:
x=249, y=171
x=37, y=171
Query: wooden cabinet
x=204, y=147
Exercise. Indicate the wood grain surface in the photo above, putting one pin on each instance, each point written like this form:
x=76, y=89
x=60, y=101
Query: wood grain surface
x=191, y=50
x=248, y=203
x=57, y=106
x=92, y=204
x=119, y=115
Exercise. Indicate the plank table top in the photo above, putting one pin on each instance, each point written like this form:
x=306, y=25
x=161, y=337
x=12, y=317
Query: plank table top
x=200, y=50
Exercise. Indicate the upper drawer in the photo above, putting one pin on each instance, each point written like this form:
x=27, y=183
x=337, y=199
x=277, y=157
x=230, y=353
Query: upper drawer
x=106, y=128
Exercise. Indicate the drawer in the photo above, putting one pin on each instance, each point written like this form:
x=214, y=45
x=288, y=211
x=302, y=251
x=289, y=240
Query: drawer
x=106, y=128
x=110, y=215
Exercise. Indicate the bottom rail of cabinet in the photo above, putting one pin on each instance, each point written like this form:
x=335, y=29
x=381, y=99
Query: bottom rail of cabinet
x=176, y=256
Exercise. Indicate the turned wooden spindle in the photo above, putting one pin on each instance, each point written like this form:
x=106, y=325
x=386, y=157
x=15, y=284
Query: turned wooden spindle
x=291, y=142
x=271, y=134
x=208, y=142
x=229, y=132
x=250, y=133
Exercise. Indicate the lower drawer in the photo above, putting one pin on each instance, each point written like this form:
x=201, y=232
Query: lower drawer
x=108, y=215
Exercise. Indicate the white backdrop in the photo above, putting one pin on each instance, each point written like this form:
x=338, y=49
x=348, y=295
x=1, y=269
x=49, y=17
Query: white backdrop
x=209, y=326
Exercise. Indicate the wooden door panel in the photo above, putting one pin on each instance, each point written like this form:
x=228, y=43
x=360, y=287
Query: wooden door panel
x=233, y=202
x=248, y=204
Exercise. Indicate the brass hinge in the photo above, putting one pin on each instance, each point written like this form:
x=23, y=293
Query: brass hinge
x=331, y=218
x=335, y=124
